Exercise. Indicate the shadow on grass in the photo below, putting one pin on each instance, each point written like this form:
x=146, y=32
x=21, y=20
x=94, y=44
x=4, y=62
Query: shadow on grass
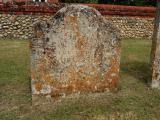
x=139, y=70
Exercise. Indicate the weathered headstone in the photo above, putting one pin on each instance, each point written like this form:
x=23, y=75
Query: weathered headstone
x=155, y=54
x=78, y=52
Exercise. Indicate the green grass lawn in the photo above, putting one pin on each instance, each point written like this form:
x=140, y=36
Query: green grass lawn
x=134, y=99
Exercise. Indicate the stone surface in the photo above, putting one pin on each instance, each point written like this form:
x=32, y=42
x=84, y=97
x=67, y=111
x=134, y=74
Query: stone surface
x=155, y=54
x=79, y=51
x=130, y=27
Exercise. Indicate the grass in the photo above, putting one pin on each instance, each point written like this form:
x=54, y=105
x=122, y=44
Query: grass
x=134, y=99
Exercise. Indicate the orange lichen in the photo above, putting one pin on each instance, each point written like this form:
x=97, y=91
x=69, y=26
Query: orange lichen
x=47, y=78
x=38, y=86
x=80, y=44
x=77, y=81
x=39, y=34
x=80, y=40
x=33, y=75
x=59, y=72
x=114, y=69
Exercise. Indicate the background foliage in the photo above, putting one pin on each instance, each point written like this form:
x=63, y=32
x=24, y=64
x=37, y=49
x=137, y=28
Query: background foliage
x=116, y=2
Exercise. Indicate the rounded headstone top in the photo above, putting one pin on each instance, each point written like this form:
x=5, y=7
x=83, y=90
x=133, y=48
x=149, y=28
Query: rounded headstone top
x=72, y=9
x=88, y=18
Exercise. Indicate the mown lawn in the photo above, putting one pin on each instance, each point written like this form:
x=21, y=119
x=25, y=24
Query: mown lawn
x=134, y=99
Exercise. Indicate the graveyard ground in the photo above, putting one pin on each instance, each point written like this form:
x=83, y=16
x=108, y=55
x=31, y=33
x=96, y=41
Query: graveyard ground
x=133, y=100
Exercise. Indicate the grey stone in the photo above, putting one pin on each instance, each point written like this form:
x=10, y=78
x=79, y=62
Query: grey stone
x=78, y=52
x=1, y=35
x=16, y=23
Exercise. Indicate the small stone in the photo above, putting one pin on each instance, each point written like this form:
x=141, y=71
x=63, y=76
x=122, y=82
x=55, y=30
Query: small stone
x=5, y=27
x=24, y=37
x=16, y=23
x=1, y=35
x=15, y=28
x=21, y=33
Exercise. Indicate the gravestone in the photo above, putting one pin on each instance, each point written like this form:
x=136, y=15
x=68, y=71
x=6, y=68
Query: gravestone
x=155, y=54
x=79, y=52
